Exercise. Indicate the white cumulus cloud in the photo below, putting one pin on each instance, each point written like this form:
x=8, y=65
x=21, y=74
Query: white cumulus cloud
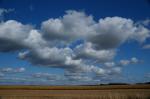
x=48, y=46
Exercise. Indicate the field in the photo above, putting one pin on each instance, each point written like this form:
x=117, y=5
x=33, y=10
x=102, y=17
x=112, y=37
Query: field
x=76, y=92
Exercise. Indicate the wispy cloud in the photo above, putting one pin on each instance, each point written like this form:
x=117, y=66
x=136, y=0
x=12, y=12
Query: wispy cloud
x=12, y=70
x=3, y=12
x=147, y=46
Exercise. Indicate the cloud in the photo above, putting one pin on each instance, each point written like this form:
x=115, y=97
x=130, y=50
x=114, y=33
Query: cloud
x=109, y=64
x=1, y=74
x=3, y=12
x=71, y=26
x=144, y=22
x=50, y=45
x=133, y=60
x=34, y=40
x=147, y=76
x=109, y=32
x=52, y=77
x=12, y=34
x=47, y=56
x=20, y=81
x=115, y=68
x=124, y=62
x=77, y=76
x=114, y=31
x=147, y=46
x=12, y=70
x=111, y=74
x=20, y=69
x=87, y=51
x=12, y=79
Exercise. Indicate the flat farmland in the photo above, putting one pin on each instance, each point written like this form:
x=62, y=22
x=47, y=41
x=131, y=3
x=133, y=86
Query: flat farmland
x=76, y=92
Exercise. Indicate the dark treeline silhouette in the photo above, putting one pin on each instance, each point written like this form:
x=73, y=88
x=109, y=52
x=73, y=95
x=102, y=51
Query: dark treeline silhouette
x=115, y=84
x=143, y=83
x=106, y=84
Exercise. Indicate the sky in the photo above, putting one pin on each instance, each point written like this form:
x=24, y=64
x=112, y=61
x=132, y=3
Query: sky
x=74, y=42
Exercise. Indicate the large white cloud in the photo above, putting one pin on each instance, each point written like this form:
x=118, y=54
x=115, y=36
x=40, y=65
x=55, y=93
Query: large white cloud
x=87, y=51
x=47, y=56
x=12, y=34
x=101, y=40
x=109, y=32
x=71, y=26
x=113, y=31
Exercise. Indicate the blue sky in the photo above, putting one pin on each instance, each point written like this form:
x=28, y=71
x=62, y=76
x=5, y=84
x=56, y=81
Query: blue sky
x=74, y=41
